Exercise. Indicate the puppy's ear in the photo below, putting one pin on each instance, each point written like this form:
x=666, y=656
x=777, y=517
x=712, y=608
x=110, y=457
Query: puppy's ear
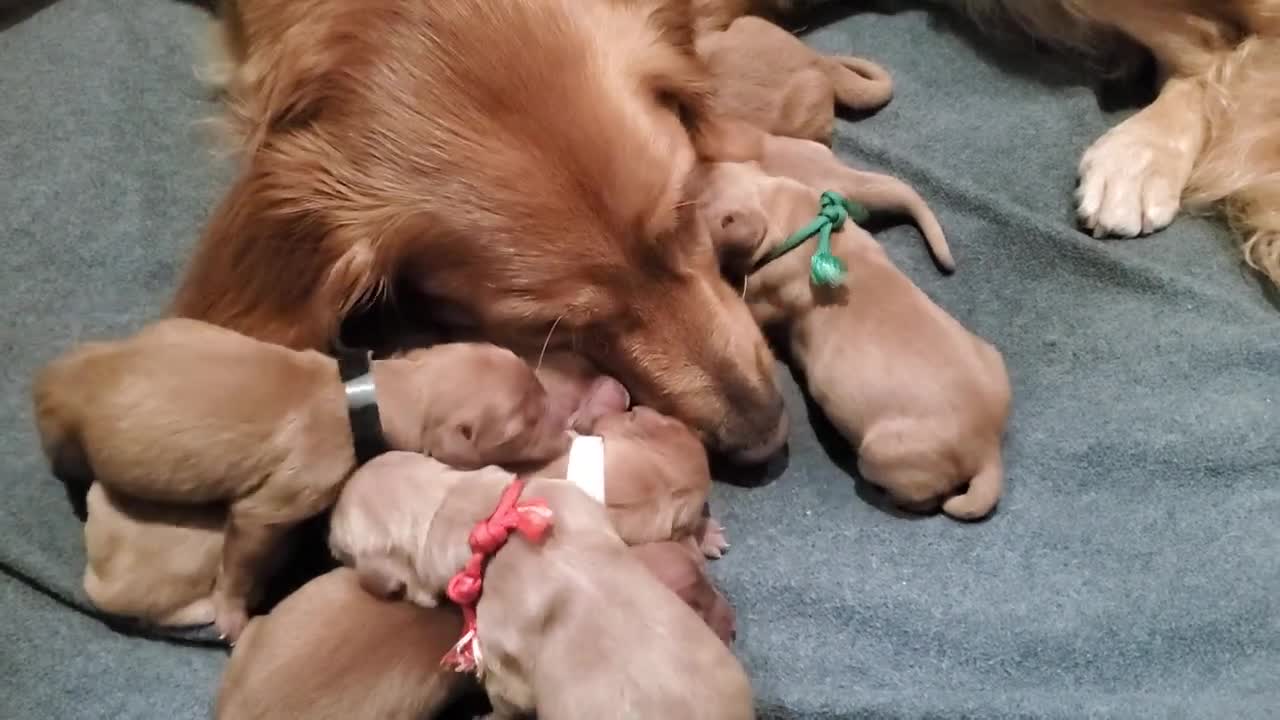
x=719, y=138
x=606, y=396
x=381, y=577
x=455, y=444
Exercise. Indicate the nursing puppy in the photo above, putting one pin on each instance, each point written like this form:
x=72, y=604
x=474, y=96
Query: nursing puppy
x=923, y=400
x=770, y=78
x=651, y=474
x=332, y=650
x=189, y=413
x=571, y=627
x=648, y=469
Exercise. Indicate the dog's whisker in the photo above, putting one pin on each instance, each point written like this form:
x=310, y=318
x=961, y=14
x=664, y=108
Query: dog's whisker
x=547, y=341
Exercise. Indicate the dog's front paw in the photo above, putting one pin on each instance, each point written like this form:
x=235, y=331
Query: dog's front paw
x=713, y=542
x=1131, y=180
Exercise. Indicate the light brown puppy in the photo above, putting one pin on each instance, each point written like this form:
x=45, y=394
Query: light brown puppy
x=156, y=562
x=650, y=470
x=651, y=473
x=332, y=650
x=571, y=627
x=189, y=413
x=770, y=78
x=923, y=400
x=684, y=571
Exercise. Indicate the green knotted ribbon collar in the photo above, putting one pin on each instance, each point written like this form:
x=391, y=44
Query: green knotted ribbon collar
x=824, y=267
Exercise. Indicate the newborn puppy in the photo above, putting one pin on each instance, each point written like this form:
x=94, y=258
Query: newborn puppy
x=770, y=78
x=734, y=209
x=651, y=473
x=192, y=414
x=152, y=561
x=332, y=650
x=571, y=626
x=682, y=570
x=923, y=400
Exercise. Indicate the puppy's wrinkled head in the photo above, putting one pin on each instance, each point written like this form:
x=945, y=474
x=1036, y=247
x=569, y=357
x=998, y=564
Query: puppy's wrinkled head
x=382, y=518
x=730, y=206
x=643, y=446
x=487, y=408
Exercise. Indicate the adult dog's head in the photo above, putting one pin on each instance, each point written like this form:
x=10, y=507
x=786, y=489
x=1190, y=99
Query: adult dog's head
x=520, y=163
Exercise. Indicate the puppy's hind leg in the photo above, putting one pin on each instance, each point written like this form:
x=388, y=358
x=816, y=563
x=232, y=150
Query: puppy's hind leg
x=1133, y=177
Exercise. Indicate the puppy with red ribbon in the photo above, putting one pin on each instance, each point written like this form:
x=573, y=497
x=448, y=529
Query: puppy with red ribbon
x=560, y=618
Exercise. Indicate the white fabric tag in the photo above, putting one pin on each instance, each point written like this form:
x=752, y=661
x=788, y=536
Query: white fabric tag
x=586, y=465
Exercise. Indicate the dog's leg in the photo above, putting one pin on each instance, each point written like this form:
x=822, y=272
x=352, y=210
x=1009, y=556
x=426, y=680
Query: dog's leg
x=248, y=548
x=1132, y=178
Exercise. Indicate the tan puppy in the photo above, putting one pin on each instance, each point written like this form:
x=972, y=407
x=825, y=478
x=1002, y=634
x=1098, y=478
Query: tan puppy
x=152, y=561
x=923, y=400
x=189, y=413
x=684, y=571
x=332, y=650
x=770, y=78
x=648, y=469
x=651, y=473
x=570, y=627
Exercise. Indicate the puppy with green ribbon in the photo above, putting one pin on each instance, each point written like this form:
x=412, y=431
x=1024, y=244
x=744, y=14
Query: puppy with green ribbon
x=922, y=400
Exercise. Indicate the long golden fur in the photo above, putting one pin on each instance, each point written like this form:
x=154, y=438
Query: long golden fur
x=518, y=164
x=1211, y=139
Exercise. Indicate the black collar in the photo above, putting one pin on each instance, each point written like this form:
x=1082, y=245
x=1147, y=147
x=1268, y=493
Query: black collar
x=356, y=370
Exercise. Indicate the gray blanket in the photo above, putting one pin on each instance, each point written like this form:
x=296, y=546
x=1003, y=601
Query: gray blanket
x=1132, y=570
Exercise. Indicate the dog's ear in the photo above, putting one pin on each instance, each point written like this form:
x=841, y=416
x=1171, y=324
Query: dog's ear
x=235, y=278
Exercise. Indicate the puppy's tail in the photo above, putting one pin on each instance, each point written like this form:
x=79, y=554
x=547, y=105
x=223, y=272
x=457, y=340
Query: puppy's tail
x=983, y=494
x=859, y=83
x=882, y=192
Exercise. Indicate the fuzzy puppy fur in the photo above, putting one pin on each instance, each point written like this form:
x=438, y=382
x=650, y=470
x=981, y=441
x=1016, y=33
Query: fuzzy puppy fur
x=656, y=478
x=155, y=562
x=573, y=627
x=1210, y=139
x=392, y=148
x=189, y=413
x=732, y=212
x=333, y=651
x=769, y=77
x=923, y=400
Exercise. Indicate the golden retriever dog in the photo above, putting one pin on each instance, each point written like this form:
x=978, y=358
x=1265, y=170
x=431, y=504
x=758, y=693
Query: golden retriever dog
x=517, y=165
x=1210, y=138
x=568, y=623
x=193, y=414
x=923, y=400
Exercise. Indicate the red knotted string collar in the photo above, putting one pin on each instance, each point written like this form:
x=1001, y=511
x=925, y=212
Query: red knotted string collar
x=530, y=518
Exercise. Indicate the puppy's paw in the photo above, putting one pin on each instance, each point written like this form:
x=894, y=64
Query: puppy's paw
x=230, y=622
x=1131, y=180
x=713, y=542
